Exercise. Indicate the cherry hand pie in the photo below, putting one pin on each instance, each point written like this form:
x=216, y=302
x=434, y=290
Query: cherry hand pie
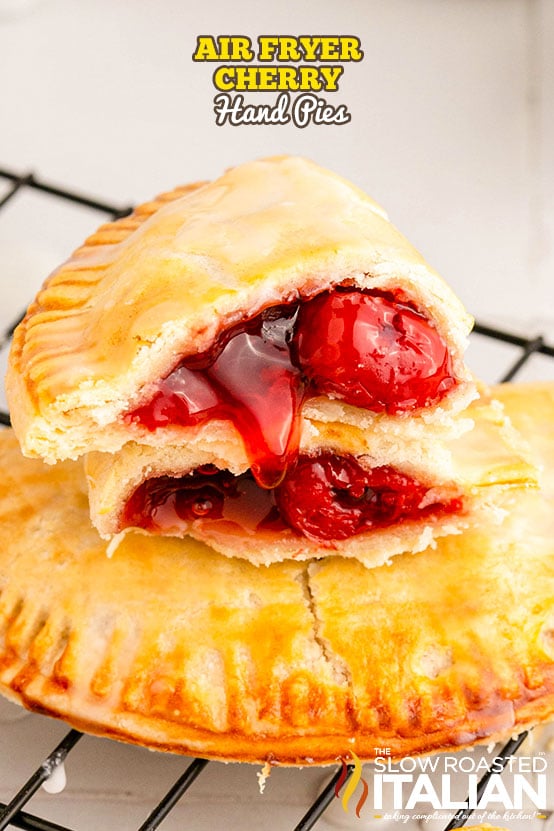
x=350, y=492
x=275, y=293
x=173, y=646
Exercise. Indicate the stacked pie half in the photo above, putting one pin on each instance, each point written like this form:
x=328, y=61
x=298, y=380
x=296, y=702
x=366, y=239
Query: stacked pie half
x=262, y=367
x=263, y=363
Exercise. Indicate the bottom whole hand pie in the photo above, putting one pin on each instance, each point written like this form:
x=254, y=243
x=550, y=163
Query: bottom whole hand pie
x=171, y=645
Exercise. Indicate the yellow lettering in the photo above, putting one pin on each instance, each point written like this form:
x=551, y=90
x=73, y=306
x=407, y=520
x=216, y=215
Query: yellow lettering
x=228, y=48
x=310, y=45
x=331, y=75
x=350, y=49
x=266, y=78
x=288, y=50
x=329, y=49
x=246, y=77
x=272, y=47
x=267, y=44
x=241, y=49
x=309, y=78
x=223, y=78
x=288, y=78
x=224, y=42
x=206, y=50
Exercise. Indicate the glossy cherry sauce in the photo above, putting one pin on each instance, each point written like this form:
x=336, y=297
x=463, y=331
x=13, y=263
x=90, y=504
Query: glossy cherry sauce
x=366, y=348
x=324, y=497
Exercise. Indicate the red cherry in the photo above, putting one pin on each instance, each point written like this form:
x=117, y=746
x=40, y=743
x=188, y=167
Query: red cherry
x=371, y=350
x=162, y=503
x=329, y=497
x=169, y=503
x=247, y=378
x=326, y=497
x=365, y=348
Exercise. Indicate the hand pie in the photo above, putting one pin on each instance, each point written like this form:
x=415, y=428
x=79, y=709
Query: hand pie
x=350, y=492
x=276, y=290
x=173, y=646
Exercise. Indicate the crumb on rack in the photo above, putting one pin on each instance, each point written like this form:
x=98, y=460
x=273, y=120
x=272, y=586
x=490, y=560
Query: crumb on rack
x=263, y=776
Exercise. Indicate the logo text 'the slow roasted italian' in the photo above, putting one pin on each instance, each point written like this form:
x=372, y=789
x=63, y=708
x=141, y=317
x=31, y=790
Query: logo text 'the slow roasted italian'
x=298, y=68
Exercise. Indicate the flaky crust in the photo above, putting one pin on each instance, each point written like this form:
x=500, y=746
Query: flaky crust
x=175, y=647
x=475, y=466
x=162, y=283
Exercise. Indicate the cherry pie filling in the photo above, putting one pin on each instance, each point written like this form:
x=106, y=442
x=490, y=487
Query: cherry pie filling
x=324, y=497
x=370, y=349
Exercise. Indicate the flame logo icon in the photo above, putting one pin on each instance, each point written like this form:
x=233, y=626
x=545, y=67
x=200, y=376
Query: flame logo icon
x=353, y=783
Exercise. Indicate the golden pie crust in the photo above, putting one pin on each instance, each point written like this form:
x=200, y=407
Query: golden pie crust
x=161, y=284
x=474, y=466
x=173, y=646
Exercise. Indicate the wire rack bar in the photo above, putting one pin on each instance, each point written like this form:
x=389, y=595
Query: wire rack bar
x=70, y=195
x=322, y=802
x=39, y=777
x=515, y=340
x=7, y=334
x=16, y=185
x=173, y=796
x=532, y=347
x=29, y=822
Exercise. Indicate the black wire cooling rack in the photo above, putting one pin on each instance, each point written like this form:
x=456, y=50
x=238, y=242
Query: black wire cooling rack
x=12, y=814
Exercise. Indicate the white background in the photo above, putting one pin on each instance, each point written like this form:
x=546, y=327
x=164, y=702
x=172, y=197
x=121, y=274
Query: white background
x=452, y=131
